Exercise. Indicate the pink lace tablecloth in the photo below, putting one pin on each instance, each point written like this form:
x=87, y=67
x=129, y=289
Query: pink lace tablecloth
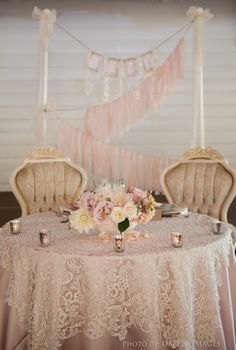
x=80, y=286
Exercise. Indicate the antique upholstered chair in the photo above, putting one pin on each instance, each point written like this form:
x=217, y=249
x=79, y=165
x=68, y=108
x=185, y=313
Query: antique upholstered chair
x=201, y=180
x=46, y=180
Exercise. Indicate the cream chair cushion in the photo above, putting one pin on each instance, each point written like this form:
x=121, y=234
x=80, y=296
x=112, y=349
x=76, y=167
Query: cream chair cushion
x=204, y=185
x=46, y=183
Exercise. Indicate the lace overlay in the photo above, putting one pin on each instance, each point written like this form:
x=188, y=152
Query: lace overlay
x=80, y=284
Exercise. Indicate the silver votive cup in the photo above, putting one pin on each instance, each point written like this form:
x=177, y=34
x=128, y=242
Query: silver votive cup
x=119, y=243
x=176, y=239
x=216, y=227
x=15, y=226
x=45, y=237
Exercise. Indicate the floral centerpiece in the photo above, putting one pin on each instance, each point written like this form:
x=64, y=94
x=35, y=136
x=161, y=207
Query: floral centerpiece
x=111, y=209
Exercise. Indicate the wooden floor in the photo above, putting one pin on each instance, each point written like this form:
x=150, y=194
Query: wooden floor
x=10, y=209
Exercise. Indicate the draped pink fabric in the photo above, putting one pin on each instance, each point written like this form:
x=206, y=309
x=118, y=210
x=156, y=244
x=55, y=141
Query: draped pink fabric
x=110, y=161
x=91, y=149
x=114, y=117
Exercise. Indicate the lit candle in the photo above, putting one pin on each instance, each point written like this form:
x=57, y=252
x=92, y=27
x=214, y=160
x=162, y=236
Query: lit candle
x=176, y=239
x=15, y=226
x=119, y=243
x=45, y=237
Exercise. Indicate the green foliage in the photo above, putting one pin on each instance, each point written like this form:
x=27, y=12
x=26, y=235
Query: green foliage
x=122, y=226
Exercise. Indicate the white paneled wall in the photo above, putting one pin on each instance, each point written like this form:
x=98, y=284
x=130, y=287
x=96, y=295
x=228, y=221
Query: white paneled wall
x=123, y=28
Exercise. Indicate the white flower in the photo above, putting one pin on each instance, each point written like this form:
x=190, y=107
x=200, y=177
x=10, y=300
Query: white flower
x=131, y=210
x=81, y=220
x=121, y=198
x=118, y=215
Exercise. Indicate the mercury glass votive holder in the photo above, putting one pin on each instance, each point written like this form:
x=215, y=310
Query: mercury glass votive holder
x=45, y=237
x=216, y=227
x=15, y=226
x=176, y=239
x=119, y=243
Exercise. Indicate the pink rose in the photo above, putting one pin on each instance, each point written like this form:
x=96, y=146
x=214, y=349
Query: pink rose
x=102, y=212
x=138, y=195
x=88, y=201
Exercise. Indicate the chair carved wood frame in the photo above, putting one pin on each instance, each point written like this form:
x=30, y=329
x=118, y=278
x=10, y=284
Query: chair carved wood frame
x=201, y=180
x=47, y=180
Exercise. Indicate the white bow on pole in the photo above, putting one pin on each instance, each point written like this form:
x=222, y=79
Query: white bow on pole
x=46, y=20
x=200, y=17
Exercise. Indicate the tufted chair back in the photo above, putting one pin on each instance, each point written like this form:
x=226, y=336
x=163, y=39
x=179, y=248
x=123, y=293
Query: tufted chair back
x=201, y=180
x=46, y=180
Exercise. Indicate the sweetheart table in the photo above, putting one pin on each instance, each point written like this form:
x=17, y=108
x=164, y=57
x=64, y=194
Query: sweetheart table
x=78, y=293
